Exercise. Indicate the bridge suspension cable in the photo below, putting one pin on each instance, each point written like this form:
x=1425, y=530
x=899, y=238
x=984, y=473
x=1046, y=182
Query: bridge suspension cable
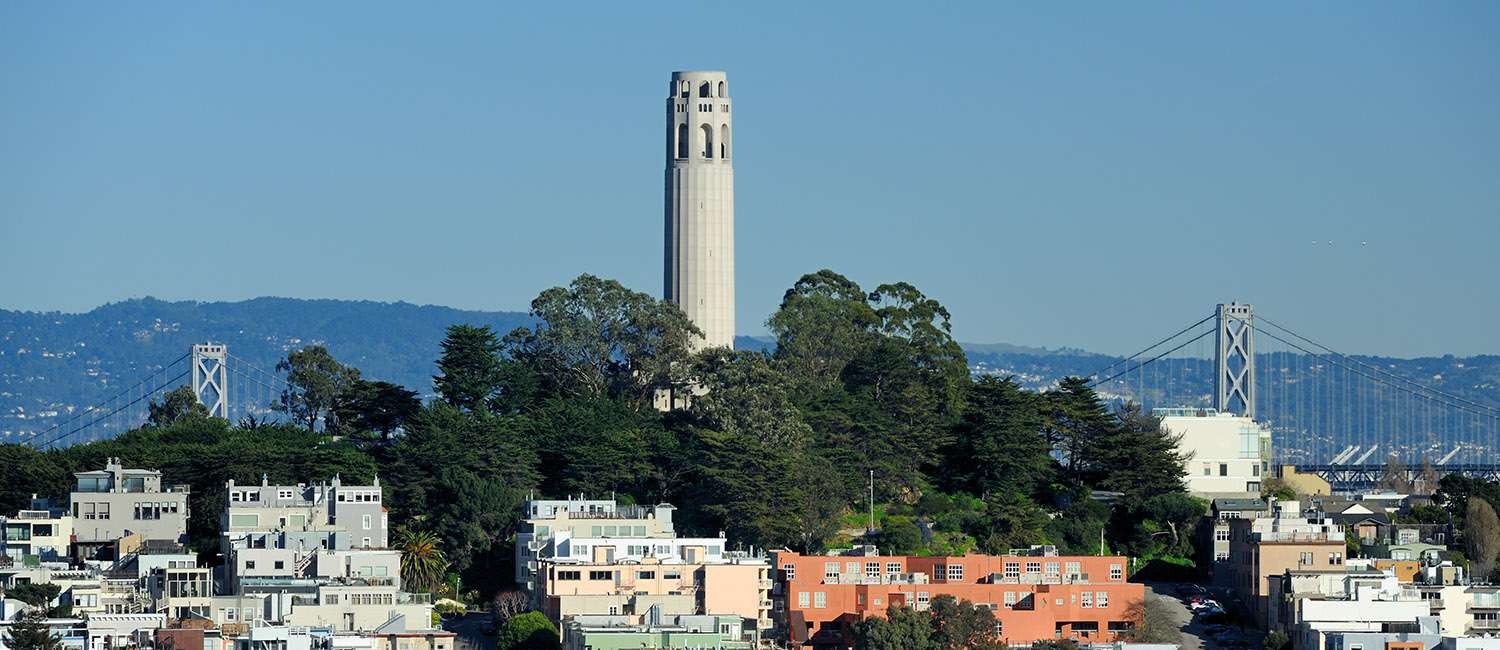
x=1142, y=364
x=1149, y=348
x=1415, y=385
x=47, y=436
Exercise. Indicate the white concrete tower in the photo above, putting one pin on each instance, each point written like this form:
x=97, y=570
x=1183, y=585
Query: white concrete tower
x=699, y=243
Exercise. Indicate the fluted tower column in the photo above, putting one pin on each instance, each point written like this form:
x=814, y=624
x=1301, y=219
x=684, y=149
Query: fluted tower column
x=699, y=242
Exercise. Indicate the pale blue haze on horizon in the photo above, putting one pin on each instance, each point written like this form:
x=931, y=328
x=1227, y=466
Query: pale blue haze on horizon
x=1058, y=176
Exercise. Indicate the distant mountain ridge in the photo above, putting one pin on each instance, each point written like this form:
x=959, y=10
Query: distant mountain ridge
x=54, y=363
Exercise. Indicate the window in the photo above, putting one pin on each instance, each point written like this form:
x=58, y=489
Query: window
x=955, y=572
x=601, y=575
x=704, y=90
x=1033, y=567
x=1012, y=569
x=721, y=89
x=1086, y=600
x=1206, y=470
x=283, y=494
x=1223, y=469
x=1221, y=557
x=1221, y=534
x=682, y=141
x=1335, y=558
x=1010, y=599
x=671, y=575
x=249, y=564
x=893, y=568
x=1305, y=559
x=708, y=141
x=366, y=542
x=1073, y=570
x=1255, y=470
x=365, y=521
x=830, y=570
x=1052, y=572
x=229, y=613
x=1116, y=572
x=568, y=575
x=280, y=564
x=645, y=575
x=1101, y=599
x=872, y=569
x=724, y=140
x=789, y=570
x=923, y=598
x=802, y=600
x=244, y=521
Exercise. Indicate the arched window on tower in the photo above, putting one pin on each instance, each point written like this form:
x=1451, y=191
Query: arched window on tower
x=721, y=89
x=723, y=140
x=705, y=90
x=708, y=141
x=682, y=141
x=684, y=88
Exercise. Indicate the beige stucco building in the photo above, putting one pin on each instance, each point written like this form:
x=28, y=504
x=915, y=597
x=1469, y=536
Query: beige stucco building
x=678, y=576
x=1262, y=550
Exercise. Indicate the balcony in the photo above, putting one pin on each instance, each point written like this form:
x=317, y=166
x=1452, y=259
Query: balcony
x=1485, y=624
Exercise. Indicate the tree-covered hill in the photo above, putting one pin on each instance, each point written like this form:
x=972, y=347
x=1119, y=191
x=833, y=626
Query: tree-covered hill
x=51, y=362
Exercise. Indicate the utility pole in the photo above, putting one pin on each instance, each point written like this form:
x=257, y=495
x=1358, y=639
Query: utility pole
x=871, y=529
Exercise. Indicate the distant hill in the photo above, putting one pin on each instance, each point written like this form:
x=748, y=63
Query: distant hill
x=51, y=363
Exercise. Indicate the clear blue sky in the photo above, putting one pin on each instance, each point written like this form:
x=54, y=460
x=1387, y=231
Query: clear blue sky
x=1080, y=176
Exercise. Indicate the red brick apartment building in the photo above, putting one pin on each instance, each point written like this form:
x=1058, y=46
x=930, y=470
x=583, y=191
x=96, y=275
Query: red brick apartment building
x=1036, y=596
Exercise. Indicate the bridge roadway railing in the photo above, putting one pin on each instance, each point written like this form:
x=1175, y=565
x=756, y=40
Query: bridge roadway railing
x=1347, y=477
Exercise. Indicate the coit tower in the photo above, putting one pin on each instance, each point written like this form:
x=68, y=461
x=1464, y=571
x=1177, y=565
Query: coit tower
x=699, y=242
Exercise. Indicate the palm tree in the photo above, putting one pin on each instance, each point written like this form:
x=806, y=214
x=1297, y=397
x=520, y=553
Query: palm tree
x=422, y=560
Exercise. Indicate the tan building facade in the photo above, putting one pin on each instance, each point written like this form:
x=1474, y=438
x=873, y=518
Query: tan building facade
x=1261, y=550
x=735, y=586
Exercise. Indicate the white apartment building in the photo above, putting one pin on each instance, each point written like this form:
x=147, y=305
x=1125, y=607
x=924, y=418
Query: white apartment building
x=1228, y=455
x=305, y=517
x=40, y=532
x=548, y=520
